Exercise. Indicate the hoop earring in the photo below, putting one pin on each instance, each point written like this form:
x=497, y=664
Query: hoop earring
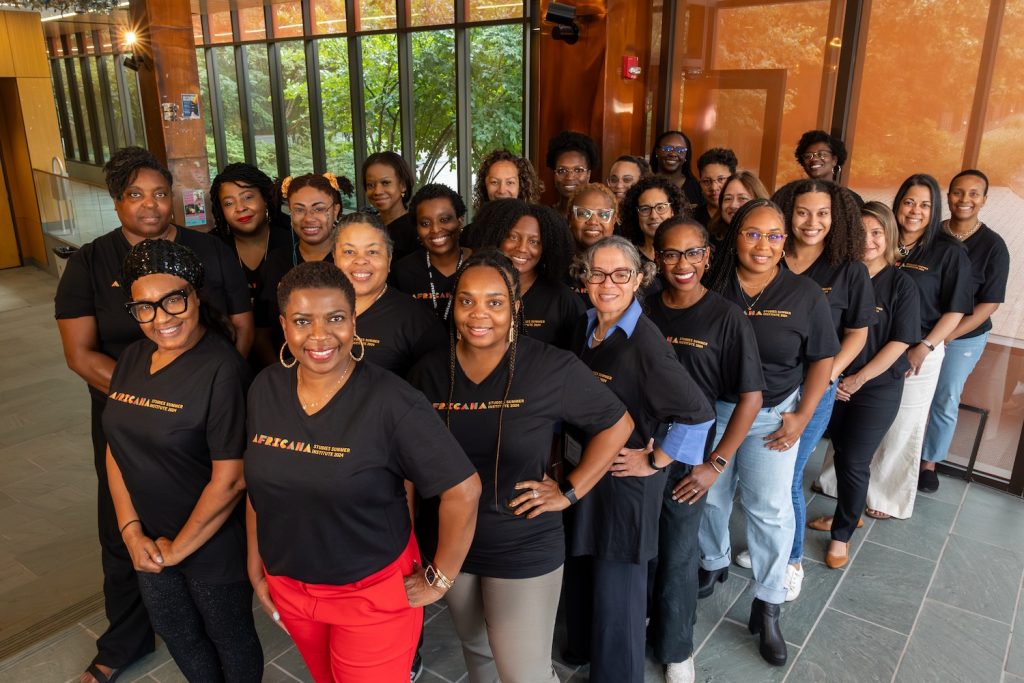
x=362, y=350
x=281, y=356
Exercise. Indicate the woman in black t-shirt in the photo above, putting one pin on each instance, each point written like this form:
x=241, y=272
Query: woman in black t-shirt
x=869, y=392
x=176, y=497
x=503, y=396
x=396, y=331
x=536, y=239
x=671, y=158
x=715, y=342
x=387, y=180
x=614, y=533
x=331, y=444
x=797, y=341
x=428, y=273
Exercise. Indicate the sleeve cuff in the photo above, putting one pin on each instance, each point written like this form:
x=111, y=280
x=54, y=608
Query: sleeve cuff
x=686, y=443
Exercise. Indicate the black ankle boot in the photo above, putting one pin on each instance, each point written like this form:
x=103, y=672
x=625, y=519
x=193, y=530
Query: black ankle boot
x=764, y=620
x=708, y=578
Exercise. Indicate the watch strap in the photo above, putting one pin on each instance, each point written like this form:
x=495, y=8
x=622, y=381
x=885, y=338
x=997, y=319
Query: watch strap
x=653, y=462
x=569, y=491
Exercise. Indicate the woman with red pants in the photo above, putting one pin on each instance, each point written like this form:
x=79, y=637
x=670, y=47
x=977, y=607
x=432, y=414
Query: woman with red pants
x=333, y=444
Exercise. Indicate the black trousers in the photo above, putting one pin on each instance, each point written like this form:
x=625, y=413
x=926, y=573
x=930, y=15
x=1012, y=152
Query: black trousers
x=208, y=628
x=129, y=634
x=605, y=610
x=857, y=428
x=672, y=577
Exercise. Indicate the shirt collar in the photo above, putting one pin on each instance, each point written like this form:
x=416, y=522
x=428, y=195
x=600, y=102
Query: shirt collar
x=626, y=322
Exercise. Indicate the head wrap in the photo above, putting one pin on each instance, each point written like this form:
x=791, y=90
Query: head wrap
x=153, y=257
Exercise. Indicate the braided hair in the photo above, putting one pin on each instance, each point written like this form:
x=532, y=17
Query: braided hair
x=245, y=176
x=530, y=185
x=721, y=273
x=845, y=239
x=495, y=221
x=489, y=257
x=628, y=212
x=125, y=164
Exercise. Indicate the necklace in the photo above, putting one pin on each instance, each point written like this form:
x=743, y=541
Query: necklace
x=593, y=335
x=962, y=236
x=433, y=292
x=750, y=305
x=330, y=392
x=266, y=248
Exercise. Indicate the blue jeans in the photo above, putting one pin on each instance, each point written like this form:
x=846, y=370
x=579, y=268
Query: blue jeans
x=763, y=477
x=961, y=357
x=813, y=432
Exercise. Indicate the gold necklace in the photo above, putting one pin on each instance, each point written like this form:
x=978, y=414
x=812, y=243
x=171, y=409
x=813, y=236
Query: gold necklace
x=750, y=305
x=330, y=392
x=962, y=237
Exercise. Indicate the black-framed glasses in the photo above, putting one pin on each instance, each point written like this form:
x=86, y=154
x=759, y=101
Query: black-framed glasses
x=583, y=213
x=173, y=303
x=563, y=171
x=671, y=256
x=755, y=236
x=619, y=276
x=822, y=154
x=668, y=149
x=661, y=208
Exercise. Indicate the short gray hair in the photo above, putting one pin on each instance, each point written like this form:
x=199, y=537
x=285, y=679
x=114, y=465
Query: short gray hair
x=582, y=264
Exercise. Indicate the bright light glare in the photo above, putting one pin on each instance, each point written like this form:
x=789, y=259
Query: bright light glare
x=129, y=38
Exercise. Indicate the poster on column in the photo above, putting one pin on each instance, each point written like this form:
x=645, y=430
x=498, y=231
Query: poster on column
x=195, y=207
x=190, y=107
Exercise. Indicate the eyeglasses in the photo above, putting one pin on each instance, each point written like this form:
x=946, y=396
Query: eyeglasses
x=619, y=276
x=625, y=180
x=671, y=257
x=317, y=211
x=755, y=236
x=583, y=213
x=668, y=149
x=711, y=182
x=822, y=154
x=661, y=208
x=563, y=171
x=174, y=303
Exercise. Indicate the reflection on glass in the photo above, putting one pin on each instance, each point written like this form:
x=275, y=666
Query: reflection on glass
x=227, y=89
x=296, y=96
x=380, y=78
x=337, y=110
x=485, y=10
x=261, y=109
x=287, y=19
x=220, y=27
x=328, y=16
x=84, y=145
x=251, y=23
x=496, y=89
x=117, y=116
x=375, y=15
x=433, y=78
x=431, y=12
x=101, y=105
x=131, y=80
x=59, y=81
x=205, y=112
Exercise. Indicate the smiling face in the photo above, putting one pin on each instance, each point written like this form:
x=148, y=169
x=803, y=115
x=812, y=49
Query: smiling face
x=502, y=181
x=244, y=208
x=482, y=310
x=655, y=199
x=362, y=254
x=966, y=197
x=313, y=214
x=683, y=276
x=611, y=298
x=587, y=231
x=734, y=195
x=384, y=189
x=571, y=172
x=170, y=333
x=624, y=175
x=145, y=209
x=818, y=161
x=670, y=160
x=874, y=240
x=319, y=325
x=914, y=212
x=712, y=179
x=523, y=245
x=812, y=218
x=760, y=257
x=437, y=226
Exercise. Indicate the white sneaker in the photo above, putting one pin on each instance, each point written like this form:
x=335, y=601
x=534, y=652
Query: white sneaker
x=794, y=582
x=680, y=672
x=743, y=560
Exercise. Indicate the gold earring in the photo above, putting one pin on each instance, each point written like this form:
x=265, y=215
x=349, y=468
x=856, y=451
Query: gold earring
x=281, y=356
x=362, y=350
x=512, y=332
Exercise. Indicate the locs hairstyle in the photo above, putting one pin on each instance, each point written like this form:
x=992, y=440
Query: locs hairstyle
x=247, y=176
x=400, y=167
x=125, y=164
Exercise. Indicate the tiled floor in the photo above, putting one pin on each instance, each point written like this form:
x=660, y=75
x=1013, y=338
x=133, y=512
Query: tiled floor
x=933, y=598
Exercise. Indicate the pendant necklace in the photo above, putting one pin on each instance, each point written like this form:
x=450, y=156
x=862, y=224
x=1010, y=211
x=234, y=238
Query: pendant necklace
x=750, y=305
x=330, y=392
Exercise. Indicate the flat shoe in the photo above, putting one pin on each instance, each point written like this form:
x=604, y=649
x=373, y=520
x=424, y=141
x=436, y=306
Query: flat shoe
x=834, y=561
x=928, y=481
x=877, y=514
x=825, y=524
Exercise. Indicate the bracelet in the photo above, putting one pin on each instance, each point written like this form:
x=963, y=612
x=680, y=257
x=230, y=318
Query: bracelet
x=715, y=467
x=652, y=461
x=436, y=579
x=931, y=347
x=129, y=524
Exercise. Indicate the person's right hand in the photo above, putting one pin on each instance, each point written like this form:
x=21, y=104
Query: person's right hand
x=262, y=592
x=145, y=555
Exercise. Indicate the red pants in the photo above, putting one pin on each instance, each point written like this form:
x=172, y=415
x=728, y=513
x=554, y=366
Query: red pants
x=363, y=632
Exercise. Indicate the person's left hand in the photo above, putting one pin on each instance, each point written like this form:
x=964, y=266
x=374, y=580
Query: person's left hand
x=166, y=547
x=690, y=488
x=419, y=592
x=786, y=436
x=632, y=462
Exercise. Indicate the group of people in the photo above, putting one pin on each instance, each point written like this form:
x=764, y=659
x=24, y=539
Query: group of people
x=351, y=416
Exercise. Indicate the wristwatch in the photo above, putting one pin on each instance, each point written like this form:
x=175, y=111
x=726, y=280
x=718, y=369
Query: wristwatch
x=719, y=463
x=569, y=491
x=436, y=579
x=652, y=461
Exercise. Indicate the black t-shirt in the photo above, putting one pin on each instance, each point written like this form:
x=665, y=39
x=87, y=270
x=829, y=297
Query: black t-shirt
x=397, y=332
x=793, y=326
x=410, y=275
x=618, y=519
x=278, y=263
x=990, y=267
x=715, y=343
x=550, y=312
x=279, y=237
x=848, y=290
x=328, y=489
x=165, y=430
x=898, y=308
x=702, y=215
x=549, y=387
x=942, y=273
x=90, y=286
x=403, y=236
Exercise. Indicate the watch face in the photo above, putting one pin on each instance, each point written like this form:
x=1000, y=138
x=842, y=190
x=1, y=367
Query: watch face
x=722, y=462
x=430, y=575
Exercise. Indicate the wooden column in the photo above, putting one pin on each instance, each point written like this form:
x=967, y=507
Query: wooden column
x=167, y=70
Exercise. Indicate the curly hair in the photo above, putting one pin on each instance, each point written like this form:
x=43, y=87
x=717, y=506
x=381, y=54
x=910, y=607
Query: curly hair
x=845, y=239
x=530, y=185
x=497, y=218
x=584, y=262
x=124, y=165
x=245, y=176
x=315, y=275
x=723, y=269
x=438, y=191
x=398, y=164
x=629, y=214
x=718, y=155
x=813, y=137
x=571, y=141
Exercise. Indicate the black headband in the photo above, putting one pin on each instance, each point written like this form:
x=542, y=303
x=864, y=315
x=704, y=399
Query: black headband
x=153, y=257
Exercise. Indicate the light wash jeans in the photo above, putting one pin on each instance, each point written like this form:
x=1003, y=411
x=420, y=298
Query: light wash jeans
x=813, y=432
x=764, y=478
x=961, y=357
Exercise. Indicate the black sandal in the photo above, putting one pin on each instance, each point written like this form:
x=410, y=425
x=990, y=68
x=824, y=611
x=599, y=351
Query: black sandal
x=101, y=677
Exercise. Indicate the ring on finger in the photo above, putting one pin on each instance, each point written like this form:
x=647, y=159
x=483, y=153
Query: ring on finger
x=536, y=494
